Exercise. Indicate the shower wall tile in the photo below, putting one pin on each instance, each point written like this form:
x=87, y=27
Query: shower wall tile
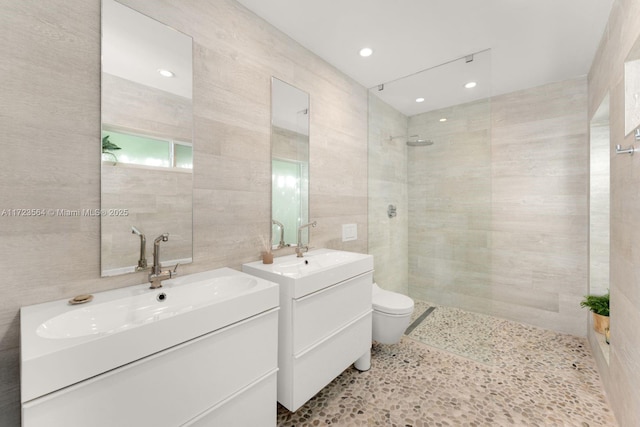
x=449, y=205
x=50, y=116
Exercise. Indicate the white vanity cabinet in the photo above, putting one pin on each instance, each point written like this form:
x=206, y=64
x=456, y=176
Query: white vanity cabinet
x=324, y=319
x=220, y=370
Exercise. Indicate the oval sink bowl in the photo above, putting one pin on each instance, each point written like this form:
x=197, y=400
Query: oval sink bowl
x=120, y=314
x=62, y=344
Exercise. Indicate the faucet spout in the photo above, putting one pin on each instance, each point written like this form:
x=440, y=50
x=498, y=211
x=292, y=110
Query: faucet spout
x=299, y=248
x=157, y=275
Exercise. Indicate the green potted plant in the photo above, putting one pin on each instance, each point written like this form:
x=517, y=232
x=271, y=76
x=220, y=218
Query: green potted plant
x=108, y=146
x=599, y=306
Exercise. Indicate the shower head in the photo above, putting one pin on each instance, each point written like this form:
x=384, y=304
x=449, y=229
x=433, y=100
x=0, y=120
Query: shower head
x=416, y=141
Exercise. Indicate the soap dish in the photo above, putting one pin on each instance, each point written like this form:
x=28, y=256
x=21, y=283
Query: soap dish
x=81, y=299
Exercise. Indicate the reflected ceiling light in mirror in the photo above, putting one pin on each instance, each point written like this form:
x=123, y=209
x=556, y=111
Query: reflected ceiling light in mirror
x=420, y=99
x=165, y=73
x=444, y=119
x=470, y=85
x=366, y=51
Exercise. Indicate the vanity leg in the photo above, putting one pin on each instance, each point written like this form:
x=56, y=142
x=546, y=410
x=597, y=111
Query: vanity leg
x=363, y=363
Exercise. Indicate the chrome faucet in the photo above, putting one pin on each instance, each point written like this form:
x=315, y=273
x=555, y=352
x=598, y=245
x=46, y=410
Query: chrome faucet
x=142, y=262
x=157, y=275
x=299, y=248
x=281, y=226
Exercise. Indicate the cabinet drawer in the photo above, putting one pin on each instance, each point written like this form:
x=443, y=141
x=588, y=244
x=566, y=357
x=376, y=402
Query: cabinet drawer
x=320, y=314
x=168, y=388
x=319, y=366
x=253, y=406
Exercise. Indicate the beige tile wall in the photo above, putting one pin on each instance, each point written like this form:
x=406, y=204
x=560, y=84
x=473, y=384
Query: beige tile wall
x=622, y=375
x=50, y=119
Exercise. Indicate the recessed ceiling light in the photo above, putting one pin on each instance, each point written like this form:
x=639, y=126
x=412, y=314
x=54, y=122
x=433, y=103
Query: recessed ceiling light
x=470, y=85
x=444, y=119
x=366, y=51
x=419, y=99
x=165, y=73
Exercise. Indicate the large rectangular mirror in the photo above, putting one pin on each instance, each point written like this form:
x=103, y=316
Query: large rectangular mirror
x=147, y=155
x=289, y=162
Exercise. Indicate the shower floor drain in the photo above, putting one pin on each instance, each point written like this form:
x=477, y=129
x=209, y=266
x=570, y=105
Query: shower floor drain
x=419, y=320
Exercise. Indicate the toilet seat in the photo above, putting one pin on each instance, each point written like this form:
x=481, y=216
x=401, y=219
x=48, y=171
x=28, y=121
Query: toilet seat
x=391, y=302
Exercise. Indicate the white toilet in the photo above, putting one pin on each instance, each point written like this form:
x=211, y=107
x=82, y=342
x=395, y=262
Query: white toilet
x=391, y=315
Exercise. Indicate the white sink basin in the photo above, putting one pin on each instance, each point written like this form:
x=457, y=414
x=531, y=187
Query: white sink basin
x=316, y=270
x=63, y=344
x=125, y=313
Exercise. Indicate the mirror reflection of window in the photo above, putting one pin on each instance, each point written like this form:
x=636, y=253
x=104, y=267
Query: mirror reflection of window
x=286, y=201
x=147, y=151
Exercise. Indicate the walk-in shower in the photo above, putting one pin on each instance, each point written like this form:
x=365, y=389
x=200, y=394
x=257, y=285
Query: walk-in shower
x=436, y=247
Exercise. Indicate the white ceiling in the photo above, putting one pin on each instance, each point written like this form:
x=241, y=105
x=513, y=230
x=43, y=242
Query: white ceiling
x=531, y=42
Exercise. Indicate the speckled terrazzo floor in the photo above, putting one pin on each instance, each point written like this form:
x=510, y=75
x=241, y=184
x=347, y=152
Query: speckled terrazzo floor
x=521, y=376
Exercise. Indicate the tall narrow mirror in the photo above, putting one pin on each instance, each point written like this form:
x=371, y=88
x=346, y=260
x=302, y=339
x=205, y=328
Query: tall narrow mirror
x=289, y=162
x=147, y=156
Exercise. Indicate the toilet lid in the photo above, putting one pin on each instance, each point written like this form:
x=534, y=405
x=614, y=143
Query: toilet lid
x=392, y=303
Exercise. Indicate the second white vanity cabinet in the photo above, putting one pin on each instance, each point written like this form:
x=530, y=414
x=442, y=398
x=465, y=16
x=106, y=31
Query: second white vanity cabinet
x=324, y=320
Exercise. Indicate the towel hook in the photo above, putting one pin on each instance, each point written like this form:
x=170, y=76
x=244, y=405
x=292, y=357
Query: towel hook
x=629, y=150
